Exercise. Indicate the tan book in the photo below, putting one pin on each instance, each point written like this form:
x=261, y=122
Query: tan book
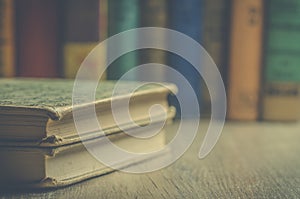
x=281, y=102
x=40, y=110
x=245, y=59
x=7, y=45
x=32, y=167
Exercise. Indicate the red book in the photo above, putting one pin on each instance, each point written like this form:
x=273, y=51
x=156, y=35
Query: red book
x=37, y=38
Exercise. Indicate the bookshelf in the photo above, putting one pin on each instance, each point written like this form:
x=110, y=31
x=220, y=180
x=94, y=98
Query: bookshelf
x=52, y=38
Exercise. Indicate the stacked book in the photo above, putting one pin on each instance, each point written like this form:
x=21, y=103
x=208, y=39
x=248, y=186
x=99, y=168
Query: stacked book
x=39, y=143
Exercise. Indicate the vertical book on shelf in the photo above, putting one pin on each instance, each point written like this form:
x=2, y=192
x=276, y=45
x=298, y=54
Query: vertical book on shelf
x=7, y=38
x=81, y=33
x=37, y=38
x=281, y=98
x=122, y=16
x=245, y=59
x=186, y=17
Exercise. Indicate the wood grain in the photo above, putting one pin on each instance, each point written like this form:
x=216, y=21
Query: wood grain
x=251, y=160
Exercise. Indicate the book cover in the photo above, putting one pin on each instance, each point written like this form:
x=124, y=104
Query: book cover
x=33, y=167
x=81, y=33
x=153, y=14
x=122, y=16
x=280, y=101
x=245, y=59
x=7, y=38
x=40, y=110
x=37, y=33
x=215, y=41
x=186, y=17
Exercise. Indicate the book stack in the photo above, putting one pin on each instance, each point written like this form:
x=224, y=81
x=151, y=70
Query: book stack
x=40, y=146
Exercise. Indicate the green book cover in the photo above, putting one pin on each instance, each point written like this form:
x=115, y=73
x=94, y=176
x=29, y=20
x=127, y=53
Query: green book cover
x=282, y=41
x=282, y=71
x=122, y=15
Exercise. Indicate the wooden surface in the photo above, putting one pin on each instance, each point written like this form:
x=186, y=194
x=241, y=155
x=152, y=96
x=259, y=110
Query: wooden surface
x=251, y=160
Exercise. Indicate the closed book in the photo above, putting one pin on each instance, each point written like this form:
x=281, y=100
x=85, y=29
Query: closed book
x=38, y=38
x=245, y=59
x=153, y=14
x=186, y=17
x=280, y=100
x=33, y=167
x=81, y=34
x=7, y=38
x=39, y=112
x=215, y=41
x=122, y=16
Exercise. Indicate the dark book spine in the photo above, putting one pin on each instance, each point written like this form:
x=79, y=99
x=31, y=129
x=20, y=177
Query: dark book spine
x=81, y=33
x=37, y=33
x=122, y=15
x=281, y=91
x=154, y=13
x=186, y=17
x=215, y=41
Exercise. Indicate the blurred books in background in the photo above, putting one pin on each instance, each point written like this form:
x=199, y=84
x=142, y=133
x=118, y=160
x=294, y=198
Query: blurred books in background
x=254, y=43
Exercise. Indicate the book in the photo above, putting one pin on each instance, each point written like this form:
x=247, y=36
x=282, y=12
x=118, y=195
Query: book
x=215, y=41
x=7, y=37
x=153, y=14
x=38, y=38
x=280, y=93
x=186, y=17
x=122, y=16
x=39, y=112
x=81, y=34
x=245, y=59
x=33, y=167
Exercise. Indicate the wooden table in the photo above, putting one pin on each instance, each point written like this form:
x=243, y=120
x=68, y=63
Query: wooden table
x=251, y=160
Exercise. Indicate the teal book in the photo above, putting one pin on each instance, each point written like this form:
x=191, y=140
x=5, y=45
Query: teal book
x=282, y=71
x=122, y=15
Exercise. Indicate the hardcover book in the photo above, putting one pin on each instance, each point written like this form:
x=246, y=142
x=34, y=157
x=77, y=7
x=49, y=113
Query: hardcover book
x=153, y=14
x=81, y=33
x=7, y=37
x=186, y=17
x=122, y=16
x=281, y=98
x=40, y=146
x=245, y=59
x=39, y=111
x=38, y=38
x=33, y=167
x=215, y=41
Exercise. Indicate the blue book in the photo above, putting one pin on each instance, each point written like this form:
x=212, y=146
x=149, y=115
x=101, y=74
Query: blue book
x=186, y=17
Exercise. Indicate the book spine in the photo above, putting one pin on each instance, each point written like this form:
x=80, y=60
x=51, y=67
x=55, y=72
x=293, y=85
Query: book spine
x=154, y=13
x=186, y=17
x=7, y=39
x=281, y=96
x=37, y=33
x=122, y=16
x=215, y=33
x=245, y=59
x=81, y=21
x=103, y=19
